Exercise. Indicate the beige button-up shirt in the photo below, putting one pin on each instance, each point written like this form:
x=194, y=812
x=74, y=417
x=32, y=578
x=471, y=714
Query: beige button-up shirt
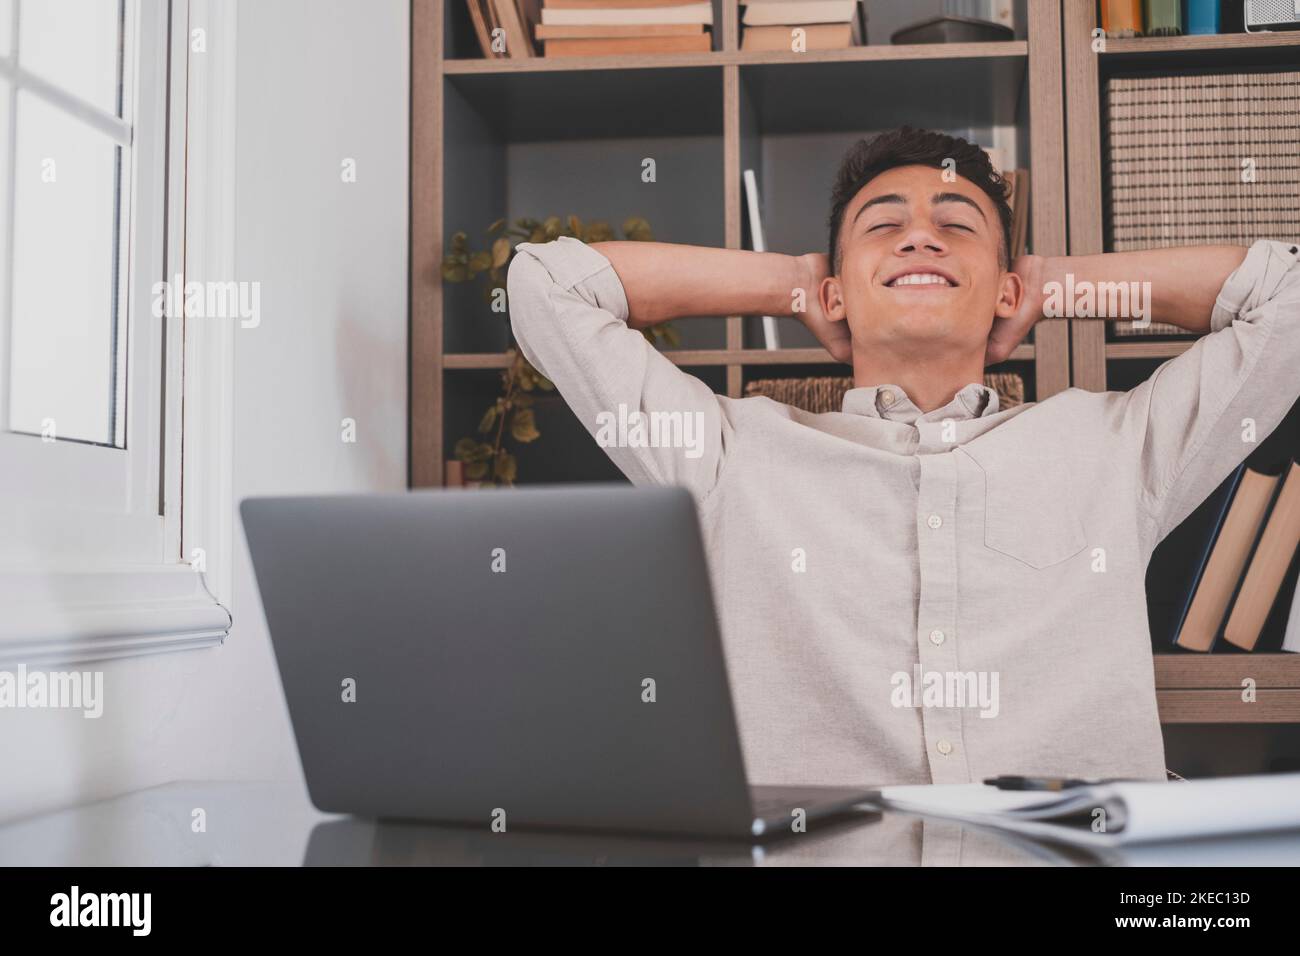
x=941, y=597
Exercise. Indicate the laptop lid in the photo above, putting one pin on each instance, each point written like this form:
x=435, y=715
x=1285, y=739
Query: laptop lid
x=545, y=656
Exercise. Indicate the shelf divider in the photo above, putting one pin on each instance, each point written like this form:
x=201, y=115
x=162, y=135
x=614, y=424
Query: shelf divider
x=1083, y=133
x=424, y=447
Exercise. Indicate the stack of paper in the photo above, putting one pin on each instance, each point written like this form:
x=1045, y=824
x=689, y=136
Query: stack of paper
x=1113, y=814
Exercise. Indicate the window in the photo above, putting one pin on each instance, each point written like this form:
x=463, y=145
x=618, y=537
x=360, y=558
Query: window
x=94, y=119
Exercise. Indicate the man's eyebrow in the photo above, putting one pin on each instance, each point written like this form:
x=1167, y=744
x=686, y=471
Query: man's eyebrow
x=887, y=198
x=957, y=197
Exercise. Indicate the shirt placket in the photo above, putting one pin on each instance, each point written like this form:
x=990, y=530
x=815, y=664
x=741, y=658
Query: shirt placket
x=936, y=624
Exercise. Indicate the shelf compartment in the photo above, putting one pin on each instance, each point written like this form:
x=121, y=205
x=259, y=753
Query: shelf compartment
x=559, y=144
x=565, y=452
x=798, y=117
x=796, y=93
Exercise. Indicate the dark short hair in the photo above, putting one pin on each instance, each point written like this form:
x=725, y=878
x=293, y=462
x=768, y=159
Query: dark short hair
x=906, y=146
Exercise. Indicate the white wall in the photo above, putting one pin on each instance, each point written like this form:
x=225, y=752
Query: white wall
x=319, y=80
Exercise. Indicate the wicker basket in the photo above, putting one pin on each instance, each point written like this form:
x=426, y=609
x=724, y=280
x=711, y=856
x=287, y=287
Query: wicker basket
x=826, y=394
x=1180, y=148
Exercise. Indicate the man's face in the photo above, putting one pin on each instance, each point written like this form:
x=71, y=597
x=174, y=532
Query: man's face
x=919, y=266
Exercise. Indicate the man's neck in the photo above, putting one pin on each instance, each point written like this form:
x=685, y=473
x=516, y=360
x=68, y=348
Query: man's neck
x=930, y=382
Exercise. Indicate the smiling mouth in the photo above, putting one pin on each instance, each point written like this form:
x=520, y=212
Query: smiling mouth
x=920, y=279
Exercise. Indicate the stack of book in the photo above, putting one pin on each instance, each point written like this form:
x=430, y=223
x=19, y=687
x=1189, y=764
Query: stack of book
x=801, y=25
x=1197, y=160
x=603, y=27
x=1242, y=589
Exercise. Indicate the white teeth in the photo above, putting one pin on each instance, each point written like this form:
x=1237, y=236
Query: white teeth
x=920, y=278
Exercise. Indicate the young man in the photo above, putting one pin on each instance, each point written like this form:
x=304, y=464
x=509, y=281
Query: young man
x=924, y=534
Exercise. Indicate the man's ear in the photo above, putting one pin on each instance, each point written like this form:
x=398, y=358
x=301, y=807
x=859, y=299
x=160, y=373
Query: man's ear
x=1011, y=292
x=830, y=296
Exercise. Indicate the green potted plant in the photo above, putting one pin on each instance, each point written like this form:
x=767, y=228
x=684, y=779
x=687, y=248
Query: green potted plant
x=487, y=457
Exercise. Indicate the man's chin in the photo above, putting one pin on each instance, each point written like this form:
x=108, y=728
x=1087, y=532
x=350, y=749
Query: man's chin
x=915, y=328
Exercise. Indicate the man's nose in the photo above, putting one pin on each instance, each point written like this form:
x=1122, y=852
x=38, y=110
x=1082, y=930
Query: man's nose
x=921, y=237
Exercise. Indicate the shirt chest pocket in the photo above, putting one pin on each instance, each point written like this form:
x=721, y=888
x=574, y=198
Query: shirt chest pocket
x=1029, y=511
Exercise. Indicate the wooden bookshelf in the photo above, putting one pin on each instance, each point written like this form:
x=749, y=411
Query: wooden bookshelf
x=477, y=125
x=1191, y=688
x=538, y=137
x=1199, y=689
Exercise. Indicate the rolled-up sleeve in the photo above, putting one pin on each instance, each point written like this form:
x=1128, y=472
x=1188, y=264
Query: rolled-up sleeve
x=569, y=313
x=1203, y=413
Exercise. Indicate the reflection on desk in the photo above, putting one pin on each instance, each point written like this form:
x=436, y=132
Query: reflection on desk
x=252, y=824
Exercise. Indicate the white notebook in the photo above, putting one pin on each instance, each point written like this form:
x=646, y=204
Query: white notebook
x=1131, y=813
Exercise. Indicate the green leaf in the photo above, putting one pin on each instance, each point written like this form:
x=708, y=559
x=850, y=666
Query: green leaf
x=465, y=449
x=523, y=426
x=551, y=227
x=496, y=226
x=476, y=470
x=505, y=468
x=479, y=261
x=454, y=271
x=489, y=419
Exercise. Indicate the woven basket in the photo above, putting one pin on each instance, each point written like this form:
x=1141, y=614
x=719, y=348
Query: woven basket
x=1177, y=145
x=826, y=394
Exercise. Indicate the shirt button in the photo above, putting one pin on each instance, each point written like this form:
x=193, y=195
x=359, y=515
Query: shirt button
x=887, y=398
x=936, y=636
x=934, y=521
x=944, y=747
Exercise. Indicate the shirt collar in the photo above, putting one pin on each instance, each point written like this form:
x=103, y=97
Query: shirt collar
x=892, y=404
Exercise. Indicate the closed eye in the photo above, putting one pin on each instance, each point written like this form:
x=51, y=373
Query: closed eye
x=958, y=225
x=881, y=225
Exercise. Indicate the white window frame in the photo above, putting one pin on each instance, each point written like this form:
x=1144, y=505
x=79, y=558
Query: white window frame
x=107, y=571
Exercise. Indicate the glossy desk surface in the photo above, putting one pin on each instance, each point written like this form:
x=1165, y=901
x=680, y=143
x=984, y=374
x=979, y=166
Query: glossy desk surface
x=274, y=824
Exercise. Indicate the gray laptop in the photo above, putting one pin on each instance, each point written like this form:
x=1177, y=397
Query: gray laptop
x=544, y=657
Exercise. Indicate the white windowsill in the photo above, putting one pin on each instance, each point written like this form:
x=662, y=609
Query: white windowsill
x=60, y=617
